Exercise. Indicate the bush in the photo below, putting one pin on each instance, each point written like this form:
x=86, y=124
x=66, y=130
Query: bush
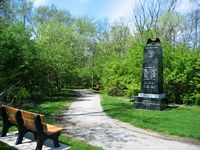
x=117, y=90
x=17, y=95
x=122, y=76
x=182, y=75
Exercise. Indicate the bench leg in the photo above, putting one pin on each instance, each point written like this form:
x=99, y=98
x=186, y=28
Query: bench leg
x=20, y=137
x=55, y=140
x=35, y=135
x=40, y=142
x=5, y=130
x=6, y=122
x=56, y=143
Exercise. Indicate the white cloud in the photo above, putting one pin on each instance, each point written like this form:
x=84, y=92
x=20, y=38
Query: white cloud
x=121, y=8
x=184, y=6
x=38, y=3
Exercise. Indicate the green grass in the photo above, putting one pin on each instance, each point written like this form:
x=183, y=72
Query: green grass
x=182, y=121
x=48, y=107
x=76, y=144
x=4, y=146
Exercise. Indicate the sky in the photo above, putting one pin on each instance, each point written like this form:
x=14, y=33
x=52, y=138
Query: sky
x=111, y=9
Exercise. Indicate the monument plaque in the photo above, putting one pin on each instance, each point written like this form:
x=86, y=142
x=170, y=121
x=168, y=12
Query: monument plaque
x=152, y=96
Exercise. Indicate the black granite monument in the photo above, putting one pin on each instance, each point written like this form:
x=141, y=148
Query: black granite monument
x=152, y=95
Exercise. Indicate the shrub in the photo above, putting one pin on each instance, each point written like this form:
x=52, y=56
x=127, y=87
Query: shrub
x=17, y=95
x=182, y=75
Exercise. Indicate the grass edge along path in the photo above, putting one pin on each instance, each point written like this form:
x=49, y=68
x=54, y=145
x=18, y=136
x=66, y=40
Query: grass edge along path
x=183, y=121
x=49, y=107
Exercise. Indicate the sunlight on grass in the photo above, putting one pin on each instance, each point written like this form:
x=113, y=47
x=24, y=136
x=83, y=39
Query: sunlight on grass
x=182, y=121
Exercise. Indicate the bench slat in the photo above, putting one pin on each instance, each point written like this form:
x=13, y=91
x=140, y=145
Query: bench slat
x=30, y=115
x=12, y=119
x=30, y=124
x=10, y=110
x=47, y=128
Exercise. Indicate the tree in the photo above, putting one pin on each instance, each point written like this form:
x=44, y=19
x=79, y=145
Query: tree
x=146, y=15
x=14, y=45
x=169, y=26
x=54, y=41
x=5, y=10
x=121, y=37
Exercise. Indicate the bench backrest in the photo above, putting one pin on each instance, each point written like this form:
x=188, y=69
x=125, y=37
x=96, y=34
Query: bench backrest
x=27, y=119
x=30, y=116
x=10, y=112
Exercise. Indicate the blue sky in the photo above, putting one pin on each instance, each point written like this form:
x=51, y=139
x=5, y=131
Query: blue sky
x=99, y=9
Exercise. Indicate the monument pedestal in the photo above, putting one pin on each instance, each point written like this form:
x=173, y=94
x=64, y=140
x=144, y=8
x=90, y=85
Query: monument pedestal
x=150, y=101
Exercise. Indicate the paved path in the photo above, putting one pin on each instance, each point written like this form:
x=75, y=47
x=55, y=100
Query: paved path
x=85, y=120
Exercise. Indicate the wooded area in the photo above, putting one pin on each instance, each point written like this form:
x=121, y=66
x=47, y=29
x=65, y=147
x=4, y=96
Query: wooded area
x=44, y=50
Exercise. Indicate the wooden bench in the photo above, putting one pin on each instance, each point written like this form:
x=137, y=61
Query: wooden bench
x=30, y=122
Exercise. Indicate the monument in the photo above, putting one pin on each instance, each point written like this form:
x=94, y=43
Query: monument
x=152, y=95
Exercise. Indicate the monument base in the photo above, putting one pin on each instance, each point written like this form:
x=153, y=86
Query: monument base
x=150, y=101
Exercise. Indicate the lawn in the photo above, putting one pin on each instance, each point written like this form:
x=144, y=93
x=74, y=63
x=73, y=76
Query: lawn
x=49, y=107
x=182, y=121
x=4, y=146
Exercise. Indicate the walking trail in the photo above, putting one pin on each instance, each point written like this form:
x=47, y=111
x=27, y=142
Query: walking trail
x=85, y=120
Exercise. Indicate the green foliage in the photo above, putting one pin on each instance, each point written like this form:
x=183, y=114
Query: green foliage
x=56, y=56
x=81, y=78
x=14, y=45
x=53, y=57
x=181, y=75
x=17, y=95
x=181, y=121
x=122, y=76
x=118, y=78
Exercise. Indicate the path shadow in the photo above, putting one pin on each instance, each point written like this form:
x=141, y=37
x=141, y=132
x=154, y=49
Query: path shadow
x=85, y=92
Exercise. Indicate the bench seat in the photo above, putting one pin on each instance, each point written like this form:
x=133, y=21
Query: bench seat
x=49, y=129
